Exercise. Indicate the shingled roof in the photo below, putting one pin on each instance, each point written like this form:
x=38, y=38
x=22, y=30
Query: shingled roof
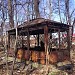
x=38, y=23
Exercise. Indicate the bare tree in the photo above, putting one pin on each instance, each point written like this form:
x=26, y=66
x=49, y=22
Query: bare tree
x=2, y=16
x=50, y=8
x=59, y=10
x=67, y=12
x=10, y=12
x=36, y=8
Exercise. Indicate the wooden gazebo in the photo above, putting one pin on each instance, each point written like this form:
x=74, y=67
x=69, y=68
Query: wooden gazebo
x=47, y=28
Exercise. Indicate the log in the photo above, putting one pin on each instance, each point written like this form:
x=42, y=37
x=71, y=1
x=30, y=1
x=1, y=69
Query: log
x=35, y=56
x=20, y=53
x=53, y=57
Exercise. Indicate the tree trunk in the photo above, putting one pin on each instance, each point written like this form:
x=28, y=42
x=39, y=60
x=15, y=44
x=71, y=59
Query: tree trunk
x=59, y=10
x=67, y=12
x=36, y=8
x=3, y=16
x=10, y=12
x=50, y=8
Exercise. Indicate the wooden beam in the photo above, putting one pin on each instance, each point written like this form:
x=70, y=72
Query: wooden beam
x=59, y=38
x=28, y=39
x=8, y=40
x=68, y=41
x=38, y=39
x=46, y=43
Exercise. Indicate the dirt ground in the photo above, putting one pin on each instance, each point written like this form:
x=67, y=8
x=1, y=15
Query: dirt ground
x=20, y=68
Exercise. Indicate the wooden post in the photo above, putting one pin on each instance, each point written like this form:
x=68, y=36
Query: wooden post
x=28, y=45
x=6, y=57
x=46, y=43
x=59, y=38
x=8, y=40
x=68, y=42
x=15, y=50
x=28, y=39
x=16, y=33
x=50, y=43
x=38, y=39
x=71, y=35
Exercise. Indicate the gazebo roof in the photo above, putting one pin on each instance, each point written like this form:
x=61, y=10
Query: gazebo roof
x=38, y=24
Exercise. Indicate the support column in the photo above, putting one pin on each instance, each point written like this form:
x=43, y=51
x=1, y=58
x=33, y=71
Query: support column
x=59, y=38
x=8, y=40
x=28, y=39
x=38, y=39
x=46, y=43
x=68, y=42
